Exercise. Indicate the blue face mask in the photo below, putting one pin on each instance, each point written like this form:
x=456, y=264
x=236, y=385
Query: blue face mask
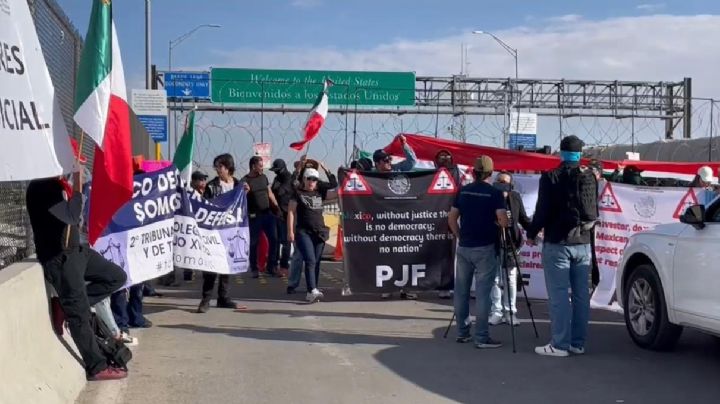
x=504, y=187
x=569, y=156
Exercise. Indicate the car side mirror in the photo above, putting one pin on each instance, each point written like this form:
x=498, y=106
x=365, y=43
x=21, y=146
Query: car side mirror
x=694, y=216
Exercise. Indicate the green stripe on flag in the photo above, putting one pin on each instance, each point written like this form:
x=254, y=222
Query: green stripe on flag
x=96, y=59
x=184, y=152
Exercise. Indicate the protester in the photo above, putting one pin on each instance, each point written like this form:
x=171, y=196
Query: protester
x=282, y=188
x=566, y=211
x=704, y=179
x=324, y=187
x=479, y=207
x=383, y=164
x=224, y=182
x=500, y=311
x=198, y=181
x=80, y=276
x=127, y=304
x=260, y=203
x=597, y=169
x=383, y=161
x=306, y=226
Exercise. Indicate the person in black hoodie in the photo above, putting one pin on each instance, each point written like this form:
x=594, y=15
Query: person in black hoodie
x=282, y=188
x=224, y=182
x=566, y=211
x=81, y=277
x=500, y=312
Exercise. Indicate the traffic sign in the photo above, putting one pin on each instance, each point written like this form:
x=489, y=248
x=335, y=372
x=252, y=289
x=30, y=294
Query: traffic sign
x=187, y=85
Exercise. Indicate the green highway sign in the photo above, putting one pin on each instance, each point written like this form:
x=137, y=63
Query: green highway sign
x=258, y=86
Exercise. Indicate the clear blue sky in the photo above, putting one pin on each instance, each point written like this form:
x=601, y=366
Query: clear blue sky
x=610, y=40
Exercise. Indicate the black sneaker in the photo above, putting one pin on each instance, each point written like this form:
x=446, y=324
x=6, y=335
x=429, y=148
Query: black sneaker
x=204, y=306
x=255, y=274
x=462, y=340
x=408, y=296
x=290, y=290
x=488, y=344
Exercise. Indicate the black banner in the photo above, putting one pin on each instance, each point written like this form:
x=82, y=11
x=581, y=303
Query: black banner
x=396, y=229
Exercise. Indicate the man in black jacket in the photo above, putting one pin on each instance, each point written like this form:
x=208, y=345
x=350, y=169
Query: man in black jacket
x=282, y=188
x=567, y=211
x=81, y=277
x=500, y=311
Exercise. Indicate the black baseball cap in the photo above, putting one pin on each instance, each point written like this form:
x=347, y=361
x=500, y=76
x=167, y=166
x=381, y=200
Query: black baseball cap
x=199, y=176
x=278, y=165
x=380, y=155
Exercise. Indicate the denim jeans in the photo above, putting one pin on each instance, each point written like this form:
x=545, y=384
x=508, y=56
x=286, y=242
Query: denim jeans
x=499, y=296
x=567, y=267
x=282, y=251
x=482, y=262
x=127, y=307
x=265, y=223
x=310, y=248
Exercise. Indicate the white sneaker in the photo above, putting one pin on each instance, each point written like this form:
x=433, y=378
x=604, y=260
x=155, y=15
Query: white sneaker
x=128, y=340
x=496, y=319
x=549, y=350
x=515, y=320
x=314, y=296
x=576, y=351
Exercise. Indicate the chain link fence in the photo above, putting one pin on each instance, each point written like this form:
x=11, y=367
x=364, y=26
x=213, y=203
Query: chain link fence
x=61, y=44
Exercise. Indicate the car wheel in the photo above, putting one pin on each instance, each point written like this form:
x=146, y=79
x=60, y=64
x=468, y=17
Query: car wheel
x=646, y=316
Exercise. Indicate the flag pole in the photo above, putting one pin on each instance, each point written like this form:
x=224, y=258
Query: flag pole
x=78, y=186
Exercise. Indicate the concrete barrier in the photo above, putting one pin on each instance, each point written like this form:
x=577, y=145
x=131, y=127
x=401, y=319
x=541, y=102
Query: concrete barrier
x=35, y=366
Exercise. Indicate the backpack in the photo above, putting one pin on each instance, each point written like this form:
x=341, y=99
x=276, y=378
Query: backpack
x=116, y=352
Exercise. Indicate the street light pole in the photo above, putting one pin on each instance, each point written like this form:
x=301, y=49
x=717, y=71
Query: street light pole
x=514, y=53
x=172, y=44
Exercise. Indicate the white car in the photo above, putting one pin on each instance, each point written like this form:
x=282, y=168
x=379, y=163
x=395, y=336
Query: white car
x=669, y=278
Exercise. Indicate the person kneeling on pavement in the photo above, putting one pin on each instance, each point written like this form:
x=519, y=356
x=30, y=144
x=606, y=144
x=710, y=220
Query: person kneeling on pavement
x=306, y=226
x=479, y=208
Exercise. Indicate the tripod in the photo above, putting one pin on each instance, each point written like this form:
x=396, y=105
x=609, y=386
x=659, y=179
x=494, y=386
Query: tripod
x=507, y=247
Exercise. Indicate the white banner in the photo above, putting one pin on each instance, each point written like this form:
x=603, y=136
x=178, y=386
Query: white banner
x=32, y=130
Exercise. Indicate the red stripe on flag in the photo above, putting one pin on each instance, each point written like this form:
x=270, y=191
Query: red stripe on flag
x=112, y=182
x=312, y=128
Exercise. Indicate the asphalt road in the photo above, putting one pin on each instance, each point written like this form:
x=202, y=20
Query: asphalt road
x=361, y=350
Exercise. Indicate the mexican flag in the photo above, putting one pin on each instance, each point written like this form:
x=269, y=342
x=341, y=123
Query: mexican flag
x=184, y=152
x=316, y=119
x=102, y=111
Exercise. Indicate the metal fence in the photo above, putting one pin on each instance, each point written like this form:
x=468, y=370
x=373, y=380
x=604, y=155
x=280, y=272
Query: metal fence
x=61, y=44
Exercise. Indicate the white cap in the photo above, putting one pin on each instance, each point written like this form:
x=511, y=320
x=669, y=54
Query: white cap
x=311, y=173
x=706, y=174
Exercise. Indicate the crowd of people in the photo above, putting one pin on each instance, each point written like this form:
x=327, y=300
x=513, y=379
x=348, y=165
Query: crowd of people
x=289, y=212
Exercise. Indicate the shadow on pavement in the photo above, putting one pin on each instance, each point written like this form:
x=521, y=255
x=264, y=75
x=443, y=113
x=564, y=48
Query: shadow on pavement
x=614, y=369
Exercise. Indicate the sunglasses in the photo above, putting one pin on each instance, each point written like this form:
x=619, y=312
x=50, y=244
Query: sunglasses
x=311, y=178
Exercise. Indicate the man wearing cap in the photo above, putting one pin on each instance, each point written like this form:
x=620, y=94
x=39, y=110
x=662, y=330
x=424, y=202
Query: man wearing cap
x=566, y=211
x=704, y=179
x=198, y=181
x=481, y=211
x=383, y=161
x=282, y=188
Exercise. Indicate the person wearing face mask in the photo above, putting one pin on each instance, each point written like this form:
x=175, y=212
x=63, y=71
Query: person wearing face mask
x=500, y=312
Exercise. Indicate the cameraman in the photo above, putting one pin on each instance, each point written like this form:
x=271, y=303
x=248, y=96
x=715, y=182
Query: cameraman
x=500, y=312
x=567, y=211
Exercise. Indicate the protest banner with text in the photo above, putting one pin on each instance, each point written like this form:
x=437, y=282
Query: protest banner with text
x=165, y=225
x=396, y=229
